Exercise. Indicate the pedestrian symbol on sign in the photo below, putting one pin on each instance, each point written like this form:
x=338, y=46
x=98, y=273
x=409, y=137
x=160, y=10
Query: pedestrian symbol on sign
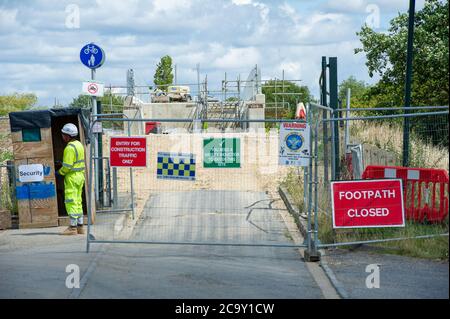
x=91, y=61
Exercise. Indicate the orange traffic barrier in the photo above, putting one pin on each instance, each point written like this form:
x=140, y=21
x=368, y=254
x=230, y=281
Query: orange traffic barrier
x=425, y=190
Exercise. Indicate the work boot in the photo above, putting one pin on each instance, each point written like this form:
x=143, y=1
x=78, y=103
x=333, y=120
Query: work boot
x=70, y=231
x=80, y=230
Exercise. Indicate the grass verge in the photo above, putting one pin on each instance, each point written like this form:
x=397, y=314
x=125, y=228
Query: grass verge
x=429, y=248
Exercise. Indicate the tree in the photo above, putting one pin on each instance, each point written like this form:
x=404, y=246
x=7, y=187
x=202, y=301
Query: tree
x=386, y=56
x=290, y=101
x=81, y=101
x=16, y=102
x=163, y=74
x=110, y=103
x=358, y=90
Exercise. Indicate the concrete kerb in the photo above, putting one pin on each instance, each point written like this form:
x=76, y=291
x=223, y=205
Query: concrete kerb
x=302, y=227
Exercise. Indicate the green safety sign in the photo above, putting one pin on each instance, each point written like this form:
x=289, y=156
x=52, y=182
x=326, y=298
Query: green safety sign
x=221, y=152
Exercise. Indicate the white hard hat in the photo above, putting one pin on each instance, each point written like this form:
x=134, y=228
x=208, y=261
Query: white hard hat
x=70, y=129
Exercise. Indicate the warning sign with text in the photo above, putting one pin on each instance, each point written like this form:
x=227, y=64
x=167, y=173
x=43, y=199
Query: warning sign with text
x=294, y=144
x=128, y=152
x=367, y=203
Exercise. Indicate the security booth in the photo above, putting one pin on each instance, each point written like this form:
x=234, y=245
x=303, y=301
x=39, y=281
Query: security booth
x=38, y=148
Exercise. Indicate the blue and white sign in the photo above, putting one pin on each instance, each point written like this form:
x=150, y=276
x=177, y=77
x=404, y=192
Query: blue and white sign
x=294, y=144
x=92, y=56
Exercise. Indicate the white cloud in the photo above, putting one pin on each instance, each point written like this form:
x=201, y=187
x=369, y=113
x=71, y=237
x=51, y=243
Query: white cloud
x=236, y=58
x=241, y=2
x=41, y=55
x=8, y=22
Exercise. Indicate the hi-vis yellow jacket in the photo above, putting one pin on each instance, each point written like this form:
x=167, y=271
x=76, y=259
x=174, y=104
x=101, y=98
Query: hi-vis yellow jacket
x=73, y=158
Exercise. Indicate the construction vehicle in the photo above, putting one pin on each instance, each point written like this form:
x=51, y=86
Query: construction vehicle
x=179, y=93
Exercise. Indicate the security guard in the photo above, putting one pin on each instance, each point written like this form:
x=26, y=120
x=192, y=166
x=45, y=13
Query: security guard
x=73, y=171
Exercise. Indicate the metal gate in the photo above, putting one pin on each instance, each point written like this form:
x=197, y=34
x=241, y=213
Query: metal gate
x=187, y=194
x=178, y=198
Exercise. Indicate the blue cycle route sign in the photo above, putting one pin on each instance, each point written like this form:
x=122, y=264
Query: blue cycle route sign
x=92, y=56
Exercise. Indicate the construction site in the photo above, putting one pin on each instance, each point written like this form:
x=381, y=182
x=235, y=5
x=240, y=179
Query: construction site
x=240, y=189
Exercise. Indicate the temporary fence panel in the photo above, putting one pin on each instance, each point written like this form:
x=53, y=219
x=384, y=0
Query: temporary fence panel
x=380, y=132
x=204, y=188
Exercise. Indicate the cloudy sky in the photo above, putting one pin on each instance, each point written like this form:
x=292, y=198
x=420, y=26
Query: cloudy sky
x=41, y=40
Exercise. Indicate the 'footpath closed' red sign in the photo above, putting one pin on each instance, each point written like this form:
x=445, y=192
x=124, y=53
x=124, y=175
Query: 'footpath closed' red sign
x=128, y=152
x=367, y=203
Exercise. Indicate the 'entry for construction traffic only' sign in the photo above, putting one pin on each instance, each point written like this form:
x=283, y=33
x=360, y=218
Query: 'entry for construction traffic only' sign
x=294, y=144
x=367, y=203
x=221, y=152
x=128, y=152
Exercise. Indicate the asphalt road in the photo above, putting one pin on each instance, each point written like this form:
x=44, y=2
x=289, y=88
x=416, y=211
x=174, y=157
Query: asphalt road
x=400, y=277
x=33, y=262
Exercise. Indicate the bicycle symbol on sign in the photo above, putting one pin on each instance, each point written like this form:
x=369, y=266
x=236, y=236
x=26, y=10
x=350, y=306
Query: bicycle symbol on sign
x=91, y=49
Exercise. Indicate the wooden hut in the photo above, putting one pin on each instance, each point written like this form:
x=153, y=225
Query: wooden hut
x=36, y=138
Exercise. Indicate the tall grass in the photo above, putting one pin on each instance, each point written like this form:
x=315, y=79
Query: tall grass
x=389, y=136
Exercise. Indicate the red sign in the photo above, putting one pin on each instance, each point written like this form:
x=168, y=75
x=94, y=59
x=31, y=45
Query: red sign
x=128, y=152
x=92, y=88
x=367, y=203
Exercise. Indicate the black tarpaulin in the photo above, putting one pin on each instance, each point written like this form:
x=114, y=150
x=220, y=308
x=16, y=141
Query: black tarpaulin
x=43, y=118
x=29, y=119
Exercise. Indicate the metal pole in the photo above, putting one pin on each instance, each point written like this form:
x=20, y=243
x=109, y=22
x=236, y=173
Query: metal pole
x=100, y=172
x=95, y=141
x=115, y=192
x=239, y=87
x=347, y=132
x=308, y=235
x=316, y=208
x=282, y=88
x=323, y=101
x=131, y=183
x=198, y=82
x=175, y=67
x=305, y=169
x=334, y=106
x=409, y=61
x=108, y=182
x=333, y=149
x=89, y=203
x=225, y=87
x=276, y=104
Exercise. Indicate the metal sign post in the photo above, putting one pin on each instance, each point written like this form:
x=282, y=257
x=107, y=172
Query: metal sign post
x=93, y=57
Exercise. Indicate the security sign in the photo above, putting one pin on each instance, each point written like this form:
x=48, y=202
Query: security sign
x=367, y=203
x=128, y=152
x=294, y=144
x=31, y=173
x=93, y=88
